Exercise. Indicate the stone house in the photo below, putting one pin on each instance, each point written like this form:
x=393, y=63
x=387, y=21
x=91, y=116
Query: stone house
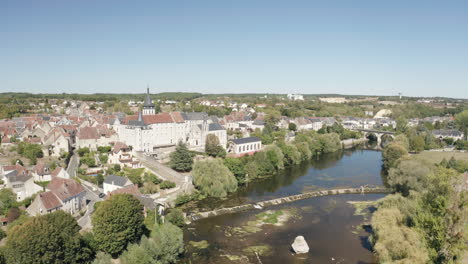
x=113, y=182
x=63, y=194
x=19, y=180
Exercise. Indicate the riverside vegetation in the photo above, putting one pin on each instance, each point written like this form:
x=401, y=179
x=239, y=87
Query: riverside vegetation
x=425, y=220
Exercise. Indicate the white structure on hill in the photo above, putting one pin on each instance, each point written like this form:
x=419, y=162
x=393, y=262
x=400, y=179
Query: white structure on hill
x=148, y=131
x=296, y=97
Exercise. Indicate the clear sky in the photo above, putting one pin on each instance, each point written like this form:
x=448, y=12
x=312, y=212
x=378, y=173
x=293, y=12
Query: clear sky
x=417, y=47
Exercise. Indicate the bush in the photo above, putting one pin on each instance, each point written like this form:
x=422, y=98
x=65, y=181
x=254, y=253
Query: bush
x=30, y=151
x=151, y=177
x=176, y=217
x=184, y=198
x=103, y=158
x=83, y=151
x=104, y=149
x=167, y=185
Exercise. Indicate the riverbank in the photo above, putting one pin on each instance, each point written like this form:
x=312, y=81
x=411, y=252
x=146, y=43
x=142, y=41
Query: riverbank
x=329, y=224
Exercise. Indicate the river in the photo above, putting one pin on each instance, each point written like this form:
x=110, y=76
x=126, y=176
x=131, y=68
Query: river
x=331, y=225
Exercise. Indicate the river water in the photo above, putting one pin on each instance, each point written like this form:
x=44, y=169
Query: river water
x=330, y=225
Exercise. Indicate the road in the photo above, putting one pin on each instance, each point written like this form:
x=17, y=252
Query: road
x=93, y=197
x=73, y=165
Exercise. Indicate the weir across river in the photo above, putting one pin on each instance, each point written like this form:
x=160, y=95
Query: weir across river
x=287, y=199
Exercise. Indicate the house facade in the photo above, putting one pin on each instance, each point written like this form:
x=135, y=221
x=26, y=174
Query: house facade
x=113, y=182
x=244, y=146
x=63, y=194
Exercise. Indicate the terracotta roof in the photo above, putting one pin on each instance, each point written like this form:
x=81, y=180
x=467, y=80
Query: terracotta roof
x=40, y=169
x=55, y=172
x=152, y=119
x=88, y=133
x=118, y=146
x=49, y=200
x=177, y=117
x=65, y=188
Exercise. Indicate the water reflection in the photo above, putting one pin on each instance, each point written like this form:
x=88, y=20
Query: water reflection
x=329, y=224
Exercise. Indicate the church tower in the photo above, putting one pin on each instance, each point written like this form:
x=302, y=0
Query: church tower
x=148, y=106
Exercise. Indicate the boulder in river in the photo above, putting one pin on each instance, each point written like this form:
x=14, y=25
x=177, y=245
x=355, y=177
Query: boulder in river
x=300, y=245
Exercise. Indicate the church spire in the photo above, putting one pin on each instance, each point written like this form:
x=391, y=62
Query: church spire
x=148, y=106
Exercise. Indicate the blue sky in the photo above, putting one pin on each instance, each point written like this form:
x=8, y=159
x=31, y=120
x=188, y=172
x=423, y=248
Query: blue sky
x=419, y=48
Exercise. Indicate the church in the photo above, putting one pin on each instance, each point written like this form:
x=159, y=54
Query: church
x=149, y=131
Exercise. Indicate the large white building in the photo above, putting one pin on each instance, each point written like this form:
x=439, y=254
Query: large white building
x=148, y=131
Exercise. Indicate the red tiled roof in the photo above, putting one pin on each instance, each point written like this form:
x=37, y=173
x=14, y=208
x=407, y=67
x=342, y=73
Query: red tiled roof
x=49, y=200
x=65, y=188
x=118, y=146
x=55, y=172
x=88, y=133
x=152, y=119
x=177, y=117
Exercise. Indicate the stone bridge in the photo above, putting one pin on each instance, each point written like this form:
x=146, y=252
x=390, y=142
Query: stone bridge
x=287, y=199
x=377, y=133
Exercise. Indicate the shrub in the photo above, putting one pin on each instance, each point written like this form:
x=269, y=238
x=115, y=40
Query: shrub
x=176, y=217
x=167, y=185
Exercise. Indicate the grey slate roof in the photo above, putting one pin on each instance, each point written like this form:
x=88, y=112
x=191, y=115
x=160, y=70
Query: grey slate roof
x=447, y=132
x=116, y=180
x=259, y=122
x=246, y=140
x=215, y=127
x=194, y=115
x=148, y=102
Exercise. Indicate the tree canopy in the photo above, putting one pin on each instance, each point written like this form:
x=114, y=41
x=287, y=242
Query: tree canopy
x=213, y=178
x=181, y=159
x=118, y=222
x=47, y=239
x=163, y=246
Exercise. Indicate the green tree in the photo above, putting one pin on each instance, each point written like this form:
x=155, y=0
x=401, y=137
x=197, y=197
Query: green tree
x=7, y=200
x=401, y=124
x=102, y=258
x=275, y=156
x=394, y=242
x=51, y=238
x=292, y=127
x=462, y=121
x=30, y=151
x=291, y=155
x=409, y=175
x=417, y=143
x=213, y=178
x=212, y=146
x=176, y=217
x=330, y=142
x=391, y=154
x=164, y=246
x=103, y=158
x=83, y=151
x=117, y=222
x=181, y=159
x=403, y=141
x=236, y=166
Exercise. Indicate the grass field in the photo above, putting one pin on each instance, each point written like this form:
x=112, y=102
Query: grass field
x=437, y=157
